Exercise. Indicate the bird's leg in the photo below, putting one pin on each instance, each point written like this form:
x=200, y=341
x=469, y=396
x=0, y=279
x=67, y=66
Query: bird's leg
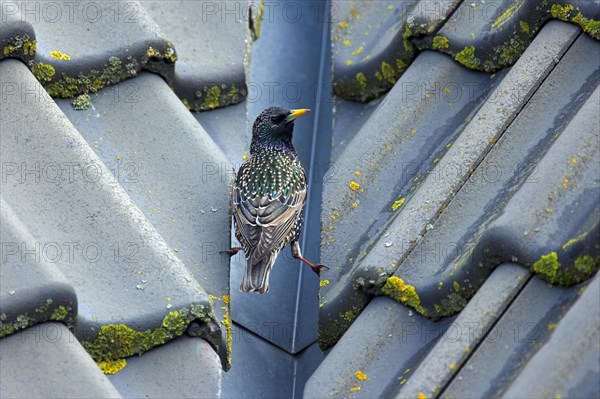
x=232, y=251
x=296, y=253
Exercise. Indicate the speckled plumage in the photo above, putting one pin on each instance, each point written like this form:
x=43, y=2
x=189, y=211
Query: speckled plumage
x=269, y=194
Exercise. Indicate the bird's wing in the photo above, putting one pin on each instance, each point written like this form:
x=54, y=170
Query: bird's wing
x=264, y=222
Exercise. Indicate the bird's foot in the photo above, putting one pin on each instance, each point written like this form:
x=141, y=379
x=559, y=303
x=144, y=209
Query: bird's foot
x=317, y=268
x=232, y=251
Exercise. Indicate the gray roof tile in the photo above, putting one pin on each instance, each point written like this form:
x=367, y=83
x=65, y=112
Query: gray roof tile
x=47, y=361
x=467, y=330
x=385, y=343
x=72, y=198
x=509, y=345
x=150, y=142
x=458, y=171
x=567, y=365
x=185, y=368
x=206, y=75
x=417, y=214
x=33, y=289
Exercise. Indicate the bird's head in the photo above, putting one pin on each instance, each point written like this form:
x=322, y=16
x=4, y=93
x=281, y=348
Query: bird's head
x=274, y=128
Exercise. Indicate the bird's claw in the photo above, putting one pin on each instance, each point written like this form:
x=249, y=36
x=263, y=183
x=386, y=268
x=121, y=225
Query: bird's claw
x=317, y=269
x=232, y=251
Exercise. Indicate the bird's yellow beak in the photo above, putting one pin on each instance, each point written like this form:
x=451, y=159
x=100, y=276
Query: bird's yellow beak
x=296, y=113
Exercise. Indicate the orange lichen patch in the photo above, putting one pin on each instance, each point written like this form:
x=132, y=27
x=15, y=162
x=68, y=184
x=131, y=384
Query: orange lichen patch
x=421, y=395
x=360, y=375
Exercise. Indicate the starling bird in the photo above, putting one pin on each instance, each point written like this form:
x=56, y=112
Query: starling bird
x=269, y=194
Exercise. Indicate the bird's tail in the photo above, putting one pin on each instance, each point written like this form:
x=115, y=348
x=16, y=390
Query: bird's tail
x=256, y=277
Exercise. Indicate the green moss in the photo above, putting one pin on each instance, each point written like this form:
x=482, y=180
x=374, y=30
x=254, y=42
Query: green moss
x=561, y=12
x=510, y=51
x=361, y=81
x=82, y=102
x=186, y=103
x=349, y=316
x=467, y=57
x=440, y=43
x=60, y=313
x=456, y=286
x=211, y=101
x=20, y=44
x=233, y=92
x=524, y=27
x=451, y=305
x=29, y=47
x=170, y=54
x=388, y=72
x=6, y=329
x=43, y=72
x=401, y=65
x=586, y=264
x=396, y=288
x=547, y=266
x=589, y=26
x=69, y=86
x=175, y=323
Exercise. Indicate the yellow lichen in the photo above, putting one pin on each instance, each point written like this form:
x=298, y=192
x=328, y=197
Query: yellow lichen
x=398, y=203
x=324, y=283
x=506, y=15
x=357, y=51
x=355, y=388
x=112, y=366
x=396, y=288
x=60, y=56
x=360, y=375
x=421, y=395
x=354, y=185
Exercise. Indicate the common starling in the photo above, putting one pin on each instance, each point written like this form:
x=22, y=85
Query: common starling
x=269, y=194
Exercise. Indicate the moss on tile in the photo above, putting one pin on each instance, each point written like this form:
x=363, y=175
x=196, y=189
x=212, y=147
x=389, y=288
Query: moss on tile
x=440, y=43
x=118, y=341
x=361, y=81
x=20, y=46
x=547, y=266
x=468, y=58
x=47, y=310
x=60, y=313
x=82, y=102
x=43, y=72
x=567, y=13
x=211, y=98
x=552, y=270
